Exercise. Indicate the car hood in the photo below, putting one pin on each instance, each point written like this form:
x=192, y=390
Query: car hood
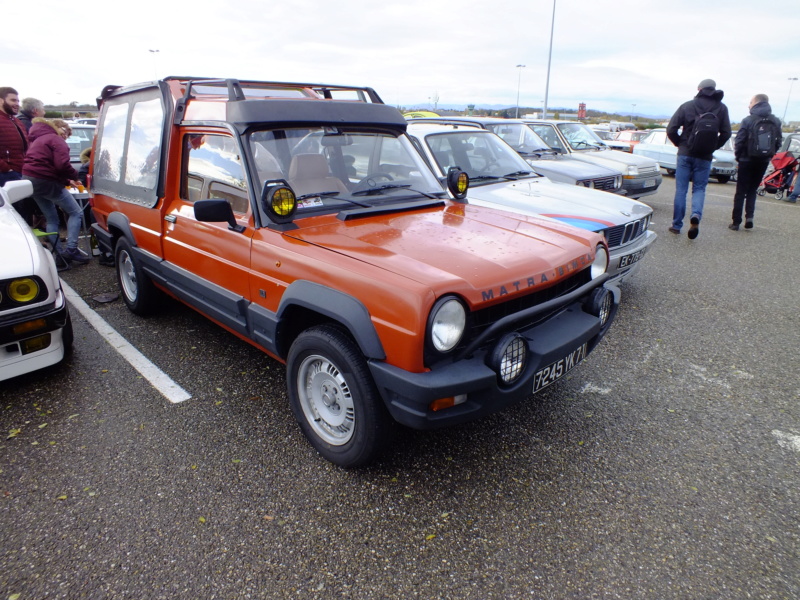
x=16, y=241
x=575, y=205
x=613, y=159
x=574, y=169
x=473, y=251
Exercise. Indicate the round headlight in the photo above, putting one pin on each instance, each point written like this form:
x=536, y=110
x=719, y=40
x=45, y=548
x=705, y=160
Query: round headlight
x=23, y=290
x=600, y=264
x=447, y=323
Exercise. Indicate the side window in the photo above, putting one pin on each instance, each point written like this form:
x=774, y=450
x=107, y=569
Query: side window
x=548, y=134
x=128, y=153
x=213, y=169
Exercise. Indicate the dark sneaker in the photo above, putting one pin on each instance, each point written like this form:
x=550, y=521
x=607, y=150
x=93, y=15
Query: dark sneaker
x=790, y=199
x=675, y=230
x=75, y=255
x=733, y=227
x=748, y=224
x=694, y=229
x=106, y=260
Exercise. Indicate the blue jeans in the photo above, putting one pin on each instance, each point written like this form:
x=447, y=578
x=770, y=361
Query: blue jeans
x=697, y=171
x=49, y=195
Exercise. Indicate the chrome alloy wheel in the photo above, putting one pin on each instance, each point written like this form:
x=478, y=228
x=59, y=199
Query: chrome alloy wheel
x=127, y=276
x=326, y=400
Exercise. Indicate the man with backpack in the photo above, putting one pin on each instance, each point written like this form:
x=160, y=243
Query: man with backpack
x=759, y=137
x=697, y=128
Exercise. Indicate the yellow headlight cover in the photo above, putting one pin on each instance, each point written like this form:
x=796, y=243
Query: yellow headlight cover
x=23, y=290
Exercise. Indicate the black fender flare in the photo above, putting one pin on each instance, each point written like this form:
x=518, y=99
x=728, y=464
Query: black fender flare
x=336, y=305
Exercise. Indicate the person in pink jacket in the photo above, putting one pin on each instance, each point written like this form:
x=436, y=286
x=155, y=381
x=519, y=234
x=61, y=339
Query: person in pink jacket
x=48, y=168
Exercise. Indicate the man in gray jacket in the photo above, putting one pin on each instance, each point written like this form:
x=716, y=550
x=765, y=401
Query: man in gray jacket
x=759, y=127
x=694, y=160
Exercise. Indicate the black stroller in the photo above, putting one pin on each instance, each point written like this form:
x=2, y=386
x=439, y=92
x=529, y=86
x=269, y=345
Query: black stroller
x=778, y=181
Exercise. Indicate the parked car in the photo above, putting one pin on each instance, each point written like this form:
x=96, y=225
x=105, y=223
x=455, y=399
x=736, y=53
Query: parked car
x=631, y=136
x=80, y=139
x=500, y=178
x=311, y=228
x=610, y=140
x=35, y=328
x=658, y=147
x=541, y=157
x=791, y=143
x=640, y=175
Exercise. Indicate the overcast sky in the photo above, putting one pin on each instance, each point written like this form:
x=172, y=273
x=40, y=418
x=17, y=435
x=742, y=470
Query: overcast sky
x=610, y=54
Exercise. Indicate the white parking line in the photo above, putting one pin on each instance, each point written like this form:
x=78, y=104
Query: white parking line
x=157, y=378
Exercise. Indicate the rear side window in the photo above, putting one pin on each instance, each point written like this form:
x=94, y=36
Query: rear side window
x=128, y=151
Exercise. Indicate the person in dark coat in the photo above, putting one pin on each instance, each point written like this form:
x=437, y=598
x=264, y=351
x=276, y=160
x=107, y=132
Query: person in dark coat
x=13, y=137
x=48, y=168
x=752, y=168
x=691, y=166
x=31, y=108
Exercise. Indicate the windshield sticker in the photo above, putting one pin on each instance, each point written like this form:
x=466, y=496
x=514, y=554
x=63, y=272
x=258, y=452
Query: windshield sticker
x=309, y=203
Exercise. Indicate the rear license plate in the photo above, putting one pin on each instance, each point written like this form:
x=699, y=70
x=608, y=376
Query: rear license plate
x=629, y=259
x=648, y=183
x=558, y=369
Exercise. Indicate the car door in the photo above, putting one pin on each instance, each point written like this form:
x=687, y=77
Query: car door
x=208, y=263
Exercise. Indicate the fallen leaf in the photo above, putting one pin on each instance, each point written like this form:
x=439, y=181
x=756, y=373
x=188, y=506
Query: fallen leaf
x=13, y=433
x=64, y=497
x=236, y=461
x=202, y=519
x=14, y=596
x=269, y=518
x=430, y=536
x=43, y=425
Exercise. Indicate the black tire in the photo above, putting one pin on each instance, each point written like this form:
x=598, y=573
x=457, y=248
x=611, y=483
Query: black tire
x=334, y=398
x=723, y=178
x=670, y=171
x=761, y=191
x=779, y=195
x=135, y=286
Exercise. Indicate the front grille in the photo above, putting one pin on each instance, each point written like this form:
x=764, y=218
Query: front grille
x=723, y=165
x=648, y=170
x=481, y=319
x=627, y=233
x=601, y=183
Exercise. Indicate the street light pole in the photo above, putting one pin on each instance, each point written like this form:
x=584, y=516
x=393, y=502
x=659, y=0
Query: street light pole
x=549, y=56
x=791, y=80
x=155, y=69
x=519, y=81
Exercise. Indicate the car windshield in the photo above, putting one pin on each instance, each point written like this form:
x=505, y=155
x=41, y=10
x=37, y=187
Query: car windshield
x=479, y=153
x=519, y=136
x=332, y=167
x=580, y=137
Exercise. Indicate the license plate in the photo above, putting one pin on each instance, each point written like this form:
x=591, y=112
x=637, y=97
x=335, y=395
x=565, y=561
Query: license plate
x=649, y=183
x=558, y=369
x=629, y=259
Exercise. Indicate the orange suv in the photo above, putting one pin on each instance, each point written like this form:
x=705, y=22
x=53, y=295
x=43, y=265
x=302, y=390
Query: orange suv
x=300, y=218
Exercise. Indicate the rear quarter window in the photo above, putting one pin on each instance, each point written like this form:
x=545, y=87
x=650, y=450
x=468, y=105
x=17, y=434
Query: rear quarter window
x=127, y=158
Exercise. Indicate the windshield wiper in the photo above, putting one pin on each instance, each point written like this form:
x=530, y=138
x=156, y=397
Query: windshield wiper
x=331, y=194
x=518, y=174
x=587, y=144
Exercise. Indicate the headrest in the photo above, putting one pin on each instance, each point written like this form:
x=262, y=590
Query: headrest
x=308, y=166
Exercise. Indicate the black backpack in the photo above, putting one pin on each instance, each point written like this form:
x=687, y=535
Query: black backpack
x=761, y=139
x=704, y=137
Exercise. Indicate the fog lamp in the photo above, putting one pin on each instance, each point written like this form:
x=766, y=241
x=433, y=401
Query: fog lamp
x=34, y=344
x=509, y=357
x=600, y=303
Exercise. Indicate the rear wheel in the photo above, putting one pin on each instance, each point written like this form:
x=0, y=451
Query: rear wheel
x=138, y=291
x=334, y=398
x=779, y=195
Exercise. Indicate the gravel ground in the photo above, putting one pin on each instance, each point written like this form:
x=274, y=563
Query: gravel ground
x=665, y=466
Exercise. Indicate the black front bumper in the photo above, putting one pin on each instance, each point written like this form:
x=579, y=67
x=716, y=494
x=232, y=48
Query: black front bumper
x=408, y=396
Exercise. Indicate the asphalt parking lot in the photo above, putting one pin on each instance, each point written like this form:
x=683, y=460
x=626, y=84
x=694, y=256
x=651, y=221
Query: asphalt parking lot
x=667, y=465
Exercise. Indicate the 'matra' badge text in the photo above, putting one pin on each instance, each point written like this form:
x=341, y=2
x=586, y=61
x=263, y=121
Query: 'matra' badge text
x=516, y=286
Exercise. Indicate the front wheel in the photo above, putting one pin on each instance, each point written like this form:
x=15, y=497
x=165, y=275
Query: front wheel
x=138, y=291
x=670, y=171
x=761, y=191
x=723, y=178
x=334, y=398
x=779, y=195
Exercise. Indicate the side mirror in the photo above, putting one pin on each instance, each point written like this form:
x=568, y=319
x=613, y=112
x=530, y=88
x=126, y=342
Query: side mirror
x=216, y=210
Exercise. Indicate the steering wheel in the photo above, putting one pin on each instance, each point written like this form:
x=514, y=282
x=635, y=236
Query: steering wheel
x=369, y=181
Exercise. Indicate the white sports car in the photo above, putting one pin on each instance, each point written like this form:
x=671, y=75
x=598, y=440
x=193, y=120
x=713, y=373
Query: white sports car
x=500, y=178
x=35, y=327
